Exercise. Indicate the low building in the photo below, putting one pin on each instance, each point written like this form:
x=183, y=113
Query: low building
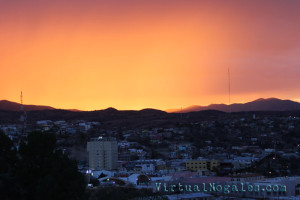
x=196, y=165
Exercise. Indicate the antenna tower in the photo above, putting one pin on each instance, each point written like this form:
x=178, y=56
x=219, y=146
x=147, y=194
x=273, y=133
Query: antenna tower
x=229, y=92
x=23, y=117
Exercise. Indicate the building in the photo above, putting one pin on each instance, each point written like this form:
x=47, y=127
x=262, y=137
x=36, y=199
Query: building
x=103, y=153
x=246, y=177
x=195, y=165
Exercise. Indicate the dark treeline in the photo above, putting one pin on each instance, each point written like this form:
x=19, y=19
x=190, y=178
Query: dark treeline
x=37, y=171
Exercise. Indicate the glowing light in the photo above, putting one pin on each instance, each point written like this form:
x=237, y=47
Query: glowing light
x=146, y=54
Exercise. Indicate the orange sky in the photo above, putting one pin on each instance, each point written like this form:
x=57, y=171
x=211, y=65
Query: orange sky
x=139, y=54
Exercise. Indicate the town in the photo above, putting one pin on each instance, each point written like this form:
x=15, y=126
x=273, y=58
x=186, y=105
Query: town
x=252, y=148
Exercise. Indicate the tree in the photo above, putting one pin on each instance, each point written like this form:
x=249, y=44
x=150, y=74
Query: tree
x=94, y=181
x=8, y=160
x=42, y=172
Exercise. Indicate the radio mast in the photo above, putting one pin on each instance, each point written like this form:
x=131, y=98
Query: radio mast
x=23, y=117
x=229, y=92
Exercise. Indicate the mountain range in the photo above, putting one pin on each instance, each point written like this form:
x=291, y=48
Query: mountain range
x=270, y=104
x=13, y=106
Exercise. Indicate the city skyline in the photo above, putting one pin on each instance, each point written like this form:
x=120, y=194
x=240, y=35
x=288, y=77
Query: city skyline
x=156, y=54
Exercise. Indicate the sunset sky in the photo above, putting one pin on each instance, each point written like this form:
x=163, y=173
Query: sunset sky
x=94, y=54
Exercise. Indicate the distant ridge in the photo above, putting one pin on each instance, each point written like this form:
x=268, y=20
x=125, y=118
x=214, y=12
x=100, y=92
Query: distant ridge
x=13, y=106
x=147, y=118
x=269, y=104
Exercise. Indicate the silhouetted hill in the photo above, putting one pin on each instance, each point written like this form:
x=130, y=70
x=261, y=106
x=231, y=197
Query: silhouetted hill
x=109, y=117
x=271, y=104
x=130, y=118
x=13, y=106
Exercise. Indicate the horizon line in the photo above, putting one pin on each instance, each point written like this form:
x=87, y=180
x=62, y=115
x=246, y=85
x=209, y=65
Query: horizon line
x=169, y=110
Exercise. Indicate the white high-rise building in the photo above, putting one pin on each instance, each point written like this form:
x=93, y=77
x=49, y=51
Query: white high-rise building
x=103, y=153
